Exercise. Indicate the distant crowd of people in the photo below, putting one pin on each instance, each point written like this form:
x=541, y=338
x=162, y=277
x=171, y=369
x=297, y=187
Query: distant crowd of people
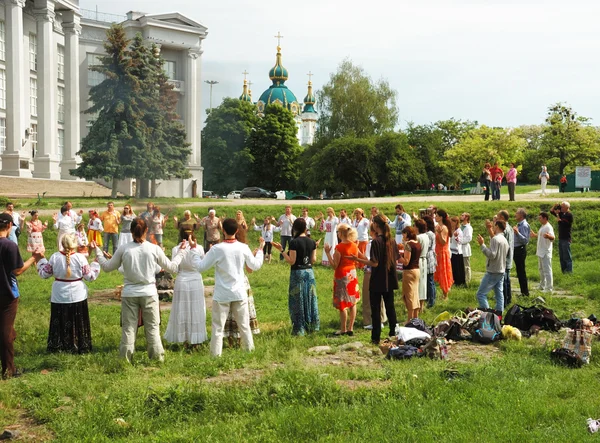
x=424, y=249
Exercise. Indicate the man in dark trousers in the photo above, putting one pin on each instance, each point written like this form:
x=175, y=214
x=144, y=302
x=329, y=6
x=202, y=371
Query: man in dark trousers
x=564, y=216
x=11, y=265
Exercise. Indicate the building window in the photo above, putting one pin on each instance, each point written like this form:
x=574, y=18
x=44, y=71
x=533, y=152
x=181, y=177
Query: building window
x=94, y=78
x=61, y=62
x=33, y=52
x=2, y=134
x=33, y=96
x=2, y=41
x=33, y=139
x=2, y=89
x=170, y=69
x=61, y=104
x=61, y=144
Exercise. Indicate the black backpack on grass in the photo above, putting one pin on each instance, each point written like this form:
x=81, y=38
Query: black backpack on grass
x=524, y=318
x=566, y=357
x=487, y=329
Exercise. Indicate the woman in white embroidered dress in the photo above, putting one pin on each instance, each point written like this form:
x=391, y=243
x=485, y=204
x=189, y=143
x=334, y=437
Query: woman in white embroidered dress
x=69, y=316
x=329, y=225
x=187, y=322
x=65, y=225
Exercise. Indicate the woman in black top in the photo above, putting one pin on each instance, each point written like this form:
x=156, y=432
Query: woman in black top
x=384, y=277
x=304, y=310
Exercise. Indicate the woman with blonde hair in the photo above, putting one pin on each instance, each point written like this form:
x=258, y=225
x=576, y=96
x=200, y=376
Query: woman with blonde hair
x=69, y=316
x=346, y=291
x=329, y=225
x=126, y=218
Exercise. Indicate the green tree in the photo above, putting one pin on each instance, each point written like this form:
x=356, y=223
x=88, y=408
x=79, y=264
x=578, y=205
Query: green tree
x=224, y=137
x=465, y=160
x=396, y=164
x=569, y=139
x=531, y=167
x=273, y=150
x=117, y=136
x=352, y=104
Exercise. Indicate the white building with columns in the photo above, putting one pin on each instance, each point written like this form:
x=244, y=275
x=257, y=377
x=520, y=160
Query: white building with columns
x=46, y=47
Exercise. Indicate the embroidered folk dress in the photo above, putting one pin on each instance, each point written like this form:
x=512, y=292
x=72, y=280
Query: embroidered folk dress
x=95, y=229
x=69, y=318
x=35, y=240
x=345, y=284
x=330, y=228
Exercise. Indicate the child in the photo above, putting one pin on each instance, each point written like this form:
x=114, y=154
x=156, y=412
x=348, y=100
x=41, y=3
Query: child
x=35, y=227
x=266, y=232
x=95, y=229
x=229, y=260
x=82, y=240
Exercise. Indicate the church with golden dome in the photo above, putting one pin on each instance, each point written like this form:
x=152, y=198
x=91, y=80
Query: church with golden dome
x=278, y=93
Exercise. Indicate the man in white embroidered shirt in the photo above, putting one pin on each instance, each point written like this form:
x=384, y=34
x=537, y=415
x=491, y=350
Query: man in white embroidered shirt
x=229, y=259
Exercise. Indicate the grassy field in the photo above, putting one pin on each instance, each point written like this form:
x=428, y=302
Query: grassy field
x=280, y=392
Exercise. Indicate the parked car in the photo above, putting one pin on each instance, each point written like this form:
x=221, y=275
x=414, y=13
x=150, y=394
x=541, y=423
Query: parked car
x=337, y=196
x=207, y=194
x=301, y=197
x=234, y=194
x=253, y=192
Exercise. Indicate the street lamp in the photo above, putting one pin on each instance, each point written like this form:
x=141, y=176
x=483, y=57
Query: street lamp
x=211, y=83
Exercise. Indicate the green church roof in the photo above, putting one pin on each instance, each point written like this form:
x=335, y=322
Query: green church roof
x=278, y=92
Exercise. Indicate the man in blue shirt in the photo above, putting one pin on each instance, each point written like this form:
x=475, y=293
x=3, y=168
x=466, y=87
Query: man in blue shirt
x=522, y=234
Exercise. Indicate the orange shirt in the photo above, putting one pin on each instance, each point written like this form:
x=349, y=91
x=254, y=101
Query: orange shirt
x=345, y=265
x=110, y=221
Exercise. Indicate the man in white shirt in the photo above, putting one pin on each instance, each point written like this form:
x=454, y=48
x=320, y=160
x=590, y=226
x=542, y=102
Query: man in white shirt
x=344, y=217
x=545, y=238
x=229, y=259
x=285, y=223
x=362, y=226
x=467, y=236
x=310, y=222
x=401, y=221
x=75, y=216
x=18, y=219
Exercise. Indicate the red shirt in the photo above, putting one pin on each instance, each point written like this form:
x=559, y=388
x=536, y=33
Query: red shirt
x=494, y=171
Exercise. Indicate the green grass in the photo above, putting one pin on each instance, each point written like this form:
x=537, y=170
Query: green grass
x=281, y=393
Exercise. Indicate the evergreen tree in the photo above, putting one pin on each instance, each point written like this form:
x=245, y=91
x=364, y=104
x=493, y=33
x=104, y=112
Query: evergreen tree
x=117, y=136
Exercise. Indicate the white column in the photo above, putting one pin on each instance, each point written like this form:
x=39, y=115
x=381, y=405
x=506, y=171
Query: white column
x=191, y=115
x=46, y=161
x=198, y=125
x=72, y=28
x=15, y=160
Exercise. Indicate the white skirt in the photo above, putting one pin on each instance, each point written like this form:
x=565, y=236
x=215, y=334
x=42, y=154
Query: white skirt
x=187, y=322
x=124, y=238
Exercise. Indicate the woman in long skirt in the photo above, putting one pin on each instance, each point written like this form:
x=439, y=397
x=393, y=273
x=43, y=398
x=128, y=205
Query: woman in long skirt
x=302, y=301
x=329, y=225
x=69, y=317
x=35, y=227
x=410, y=273
x=443, y=272
x=456, y=248
x=126, y=218
x=187, y=322
x=423, y=240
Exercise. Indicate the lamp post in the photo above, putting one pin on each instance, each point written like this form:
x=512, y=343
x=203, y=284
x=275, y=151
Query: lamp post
x=211, y=83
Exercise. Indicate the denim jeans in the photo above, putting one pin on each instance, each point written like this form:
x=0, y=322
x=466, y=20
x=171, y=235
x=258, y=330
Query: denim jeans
x=494, y=189
x=430, y=291
x=285, y=241
x=488, y=282
x=110, y=236
x=564, y=252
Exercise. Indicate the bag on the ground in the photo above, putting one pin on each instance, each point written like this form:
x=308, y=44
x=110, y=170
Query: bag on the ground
x=404, y=353
x=418, y=342
x=457, y=332
x=444, y=316
x=580, y=342
x=488, y=329
x=419, y=324
x=566, y=357
x=407, y=334
x=524, y=318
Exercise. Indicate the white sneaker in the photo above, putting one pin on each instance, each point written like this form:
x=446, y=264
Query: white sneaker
x=369, y=327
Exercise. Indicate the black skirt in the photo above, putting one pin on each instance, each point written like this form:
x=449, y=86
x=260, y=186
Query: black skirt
x=458, y=269
x=70, y=328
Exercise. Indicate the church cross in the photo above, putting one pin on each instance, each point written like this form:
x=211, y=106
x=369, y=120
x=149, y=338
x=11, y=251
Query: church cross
x=310, y=74
x=279, y=37
x=245, y=74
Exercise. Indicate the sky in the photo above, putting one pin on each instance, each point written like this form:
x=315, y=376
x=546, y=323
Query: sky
x=501, y=63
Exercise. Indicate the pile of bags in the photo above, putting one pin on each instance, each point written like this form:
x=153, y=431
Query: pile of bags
x=416, y=339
